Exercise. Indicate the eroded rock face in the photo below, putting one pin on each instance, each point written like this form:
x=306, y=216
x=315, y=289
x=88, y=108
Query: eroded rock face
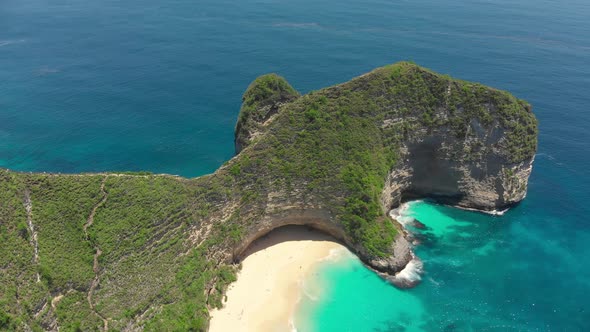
x=442, y=166
x=325, y=221
x=402, y=254
x=460, y=143
x=261, y=101
x=337, y=159
x=319, y=219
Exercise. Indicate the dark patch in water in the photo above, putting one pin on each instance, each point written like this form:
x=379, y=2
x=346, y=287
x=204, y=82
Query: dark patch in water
x=419, y=225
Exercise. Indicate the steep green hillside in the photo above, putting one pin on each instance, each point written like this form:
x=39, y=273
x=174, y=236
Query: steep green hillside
x=156, y=252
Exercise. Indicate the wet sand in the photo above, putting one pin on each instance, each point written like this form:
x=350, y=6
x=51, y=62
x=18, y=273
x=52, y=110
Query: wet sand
x=268, y=288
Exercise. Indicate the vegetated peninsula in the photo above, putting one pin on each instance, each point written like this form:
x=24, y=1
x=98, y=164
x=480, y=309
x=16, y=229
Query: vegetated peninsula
x=155, y=252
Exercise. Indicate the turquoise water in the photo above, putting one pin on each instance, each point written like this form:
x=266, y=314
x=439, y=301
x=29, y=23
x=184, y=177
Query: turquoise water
x=481, y=273
x=342, y=295
x=156, y=85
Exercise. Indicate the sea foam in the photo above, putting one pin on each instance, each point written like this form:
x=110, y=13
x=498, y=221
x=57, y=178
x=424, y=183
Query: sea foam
x=411, y=275
x=401, y=214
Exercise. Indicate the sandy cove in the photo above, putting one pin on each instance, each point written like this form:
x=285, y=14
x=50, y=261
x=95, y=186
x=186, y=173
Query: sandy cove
x=267, y=291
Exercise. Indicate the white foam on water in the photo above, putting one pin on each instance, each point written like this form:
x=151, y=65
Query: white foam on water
x=412, y=272
x=492, y=212
x=292, y=327
x=436, y=283
x=302, y=291
x=10, y=42
x=335, y=255
x=305, y=292
x=400, y=214
x=297, y=25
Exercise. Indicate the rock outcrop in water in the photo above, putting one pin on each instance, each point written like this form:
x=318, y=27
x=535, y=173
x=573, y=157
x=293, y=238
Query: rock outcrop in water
x=160, y=250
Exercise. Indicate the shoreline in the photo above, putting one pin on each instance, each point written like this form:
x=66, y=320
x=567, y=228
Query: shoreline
x=494, y=212
x=269, y=284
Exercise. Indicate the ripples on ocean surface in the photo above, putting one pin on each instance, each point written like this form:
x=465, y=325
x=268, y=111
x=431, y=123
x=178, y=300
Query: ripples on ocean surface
x=153, y=85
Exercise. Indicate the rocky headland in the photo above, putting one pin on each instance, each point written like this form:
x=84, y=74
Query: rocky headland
x=138, y=251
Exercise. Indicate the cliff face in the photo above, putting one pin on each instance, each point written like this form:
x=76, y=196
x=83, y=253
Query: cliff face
x=405, y=132
x=260, y=103
x=154, y=252
x=471, y=172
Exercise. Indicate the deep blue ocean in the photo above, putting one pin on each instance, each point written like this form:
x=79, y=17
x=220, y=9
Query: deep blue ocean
x=152, y=85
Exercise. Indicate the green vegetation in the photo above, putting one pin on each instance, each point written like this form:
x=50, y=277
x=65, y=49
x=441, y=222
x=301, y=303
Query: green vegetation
x=521, y=139
x=147, y=260
x=260, y=102
x=155, y=251
x=362, y=215
x=318, y=142
x=331, y=145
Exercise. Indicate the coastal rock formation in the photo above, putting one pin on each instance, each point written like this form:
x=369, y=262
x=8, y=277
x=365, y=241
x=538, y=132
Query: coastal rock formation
x=471, y=172
x=461, y=143
x=160, y=250
x=260, y=103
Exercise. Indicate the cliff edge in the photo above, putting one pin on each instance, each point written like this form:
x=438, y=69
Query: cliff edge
x=136, y=251
x=354, y=151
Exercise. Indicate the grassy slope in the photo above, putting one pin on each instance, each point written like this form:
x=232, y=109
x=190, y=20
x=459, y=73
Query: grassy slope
x=160, y=237
x=147, y=266
x=330, y=144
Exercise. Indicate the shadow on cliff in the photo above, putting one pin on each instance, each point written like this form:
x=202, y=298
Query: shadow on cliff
x=286, y=234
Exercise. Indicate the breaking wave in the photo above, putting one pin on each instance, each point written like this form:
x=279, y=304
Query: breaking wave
x=411, y=275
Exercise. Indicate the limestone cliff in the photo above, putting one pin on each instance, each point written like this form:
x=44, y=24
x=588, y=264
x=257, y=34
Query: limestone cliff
x=458, y=142
x=137, y=251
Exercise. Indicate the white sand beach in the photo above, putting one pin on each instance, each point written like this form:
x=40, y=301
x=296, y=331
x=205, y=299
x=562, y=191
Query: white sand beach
x=266, y=293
